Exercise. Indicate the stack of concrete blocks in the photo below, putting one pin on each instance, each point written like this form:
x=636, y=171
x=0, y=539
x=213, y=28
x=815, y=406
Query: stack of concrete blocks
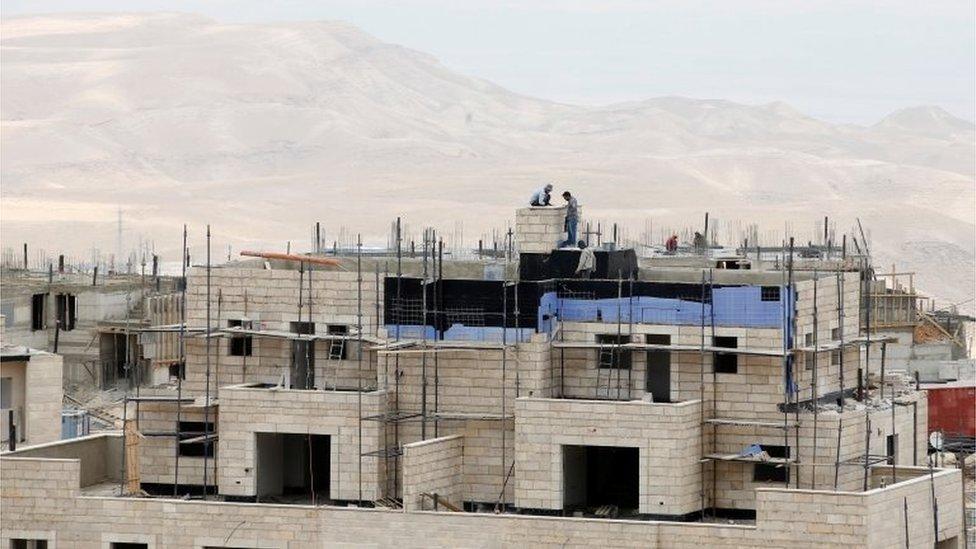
x=248, y=411
x=433, y=467
x=668, y=438
x=539, y=229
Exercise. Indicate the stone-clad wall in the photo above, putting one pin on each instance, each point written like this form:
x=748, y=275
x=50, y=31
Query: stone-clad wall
x=538, y=229
x=735, y=487
x=157, y=454
x=434, y=467
x=270, y=299
x=40, y=498
x=43, y=398
x=753, y=392
x=245, y=411
x=667, y=435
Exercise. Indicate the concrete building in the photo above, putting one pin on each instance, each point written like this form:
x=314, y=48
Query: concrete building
x=688, y=402
x=83, y=317
x=30, y=391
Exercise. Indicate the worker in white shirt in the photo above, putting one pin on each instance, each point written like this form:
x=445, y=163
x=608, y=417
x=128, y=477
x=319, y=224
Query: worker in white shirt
x=587, y=261
x=541, y=197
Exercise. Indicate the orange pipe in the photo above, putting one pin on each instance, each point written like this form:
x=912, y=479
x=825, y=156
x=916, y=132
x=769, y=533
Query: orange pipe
x=294, y=257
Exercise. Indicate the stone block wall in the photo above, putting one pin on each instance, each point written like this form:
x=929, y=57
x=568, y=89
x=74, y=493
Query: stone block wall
x=41, y=500
x=734, y=480
x=433, y=466
x=667, y=436
x=247, y=411
x=539, y=229
x=270, y=299
x=43, y=398
x=157, y=454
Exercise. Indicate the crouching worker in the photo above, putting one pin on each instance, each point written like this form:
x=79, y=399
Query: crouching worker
x=542, y=196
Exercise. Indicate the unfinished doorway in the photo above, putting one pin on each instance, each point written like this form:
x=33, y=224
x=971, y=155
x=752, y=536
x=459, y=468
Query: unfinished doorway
x=595, y=476
x=293, y=467
x=115, y=354
x=657, y=378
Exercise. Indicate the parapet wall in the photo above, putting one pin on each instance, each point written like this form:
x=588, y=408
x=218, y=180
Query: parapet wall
x=433, y=467
x=41, y=500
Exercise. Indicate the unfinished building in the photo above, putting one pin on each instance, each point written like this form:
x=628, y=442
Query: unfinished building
x=687, y=401
x=83, y=316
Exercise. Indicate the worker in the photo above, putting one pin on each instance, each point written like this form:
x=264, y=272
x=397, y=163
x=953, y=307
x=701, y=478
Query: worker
x=572, y=219
x=699, y=243
x=672, y=244
x=587, y=261
x=542, y=196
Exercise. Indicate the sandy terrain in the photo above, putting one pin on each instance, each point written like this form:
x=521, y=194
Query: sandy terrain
x=261, y=130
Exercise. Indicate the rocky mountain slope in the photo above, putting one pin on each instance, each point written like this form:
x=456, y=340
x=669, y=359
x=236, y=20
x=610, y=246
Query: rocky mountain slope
x=260, y=130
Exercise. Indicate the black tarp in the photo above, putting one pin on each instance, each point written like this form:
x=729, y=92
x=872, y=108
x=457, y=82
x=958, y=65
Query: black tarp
x=562, y=264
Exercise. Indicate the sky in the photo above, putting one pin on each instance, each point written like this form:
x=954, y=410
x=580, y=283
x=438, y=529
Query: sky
x=842, y=61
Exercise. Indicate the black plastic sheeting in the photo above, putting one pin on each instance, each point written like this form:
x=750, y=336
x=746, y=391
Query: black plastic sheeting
x=562, y=264
x=469, y=302
x=481, y=302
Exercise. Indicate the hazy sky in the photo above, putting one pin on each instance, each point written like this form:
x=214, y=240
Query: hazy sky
x=845, y=61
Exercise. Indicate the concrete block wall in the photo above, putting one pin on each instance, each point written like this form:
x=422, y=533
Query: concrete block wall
x=41, y=500
x=753, y=392
x=246, y=411
x=827, y=320
x=157, y=455
x=433, y=466
x=539, y=229
x=734, y=484
x=875, y=518
x=270, y=359
x=93, y=304
x=269, y=298
x=162, y=348
x=43, y=394
x=668, y=438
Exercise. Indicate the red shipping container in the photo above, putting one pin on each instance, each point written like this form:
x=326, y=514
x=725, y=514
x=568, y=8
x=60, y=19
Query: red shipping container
x=952, y=409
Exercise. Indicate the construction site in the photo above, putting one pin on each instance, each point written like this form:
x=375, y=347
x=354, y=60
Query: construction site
x=705, y=394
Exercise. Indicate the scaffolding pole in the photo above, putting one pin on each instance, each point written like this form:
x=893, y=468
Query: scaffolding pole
x=181, y=367
x=206, y=407
x=359, y=356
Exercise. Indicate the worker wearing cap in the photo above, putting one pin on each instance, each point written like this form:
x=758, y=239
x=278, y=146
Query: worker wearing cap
x=542, y=196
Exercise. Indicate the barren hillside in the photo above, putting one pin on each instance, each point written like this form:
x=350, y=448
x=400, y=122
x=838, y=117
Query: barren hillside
x=260, y=130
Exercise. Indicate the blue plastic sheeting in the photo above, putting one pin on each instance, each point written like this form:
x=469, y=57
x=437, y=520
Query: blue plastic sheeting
x=548, y=308
x=460, y=332
x=732, y=306
x=74, y=425
x=410, y=331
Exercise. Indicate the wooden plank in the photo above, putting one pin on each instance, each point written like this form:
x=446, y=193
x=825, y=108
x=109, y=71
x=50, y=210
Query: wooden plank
x=132, y=438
